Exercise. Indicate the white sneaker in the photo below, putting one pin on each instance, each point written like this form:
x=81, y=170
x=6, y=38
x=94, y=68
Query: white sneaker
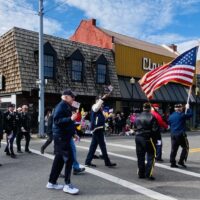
x=54, y=186
x=70, y=189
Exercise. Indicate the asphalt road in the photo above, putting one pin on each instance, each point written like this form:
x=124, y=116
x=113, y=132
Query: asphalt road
x=25, y=177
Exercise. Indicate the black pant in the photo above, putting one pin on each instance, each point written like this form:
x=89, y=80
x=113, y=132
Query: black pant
x=145, y=146
x=176, y=141
x=48, y=142
x=97, y=139
x=19, y=138
x=63, y=155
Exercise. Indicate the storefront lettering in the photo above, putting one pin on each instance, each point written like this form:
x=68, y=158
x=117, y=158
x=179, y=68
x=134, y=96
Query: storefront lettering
x=148, y=65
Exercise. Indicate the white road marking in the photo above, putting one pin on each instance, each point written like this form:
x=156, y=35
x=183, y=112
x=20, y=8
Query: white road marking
x=135, y=187
x=186, y=172
x=114, y=145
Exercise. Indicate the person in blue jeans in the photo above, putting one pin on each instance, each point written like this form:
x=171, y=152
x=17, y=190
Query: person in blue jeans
x=76, y=166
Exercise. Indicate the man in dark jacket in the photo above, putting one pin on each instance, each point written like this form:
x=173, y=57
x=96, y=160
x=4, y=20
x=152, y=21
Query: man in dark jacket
x=177, y=122
x=63, y=130
x=146, y=129
x=97, y=127
x=11, y=127
x=49, y=134
x=1, y=128
x=25, y=124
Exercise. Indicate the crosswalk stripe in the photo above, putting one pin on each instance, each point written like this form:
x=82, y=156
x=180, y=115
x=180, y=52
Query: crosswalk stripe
x=135, y=187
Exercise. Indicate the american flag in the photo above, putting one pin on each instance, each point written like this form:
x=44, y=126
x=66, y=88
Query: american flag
x=180, y=70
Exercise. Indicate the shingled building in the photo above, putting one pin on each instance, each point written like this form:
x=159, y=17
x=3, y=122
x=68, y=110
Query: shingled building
x=87, y=70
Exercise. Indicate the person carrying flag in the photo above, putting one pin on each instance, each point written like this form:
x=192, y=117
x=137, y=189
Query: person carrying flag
x=177, y=122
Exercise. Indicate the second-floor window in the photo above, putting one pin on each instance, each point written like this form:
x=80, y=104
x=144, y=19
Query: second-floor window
x=48, y=66
x=101, y=73
x=77, y=70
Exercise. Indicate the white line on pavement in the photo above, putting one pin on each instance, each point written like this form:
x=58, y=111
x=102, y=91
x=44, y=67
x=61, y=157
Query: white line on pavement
x=137, y=188
x=114, y=145
x=157, y=164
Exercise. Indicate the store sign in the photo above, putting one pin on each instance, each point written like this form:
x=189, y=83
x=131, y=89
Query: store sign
x=148, y=65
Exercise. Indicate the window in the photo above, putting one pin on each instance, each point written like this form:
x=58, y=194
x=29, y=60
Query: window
x=101, y=73
x=48, y=66
x=77, y=70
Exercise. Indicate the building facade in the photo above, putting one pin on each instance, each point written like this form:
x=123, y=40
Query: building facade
x=133, y=58
x=85, y=69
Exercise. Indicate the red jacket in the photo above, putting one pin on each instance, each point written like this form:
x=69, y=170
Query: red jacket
x=159, y=119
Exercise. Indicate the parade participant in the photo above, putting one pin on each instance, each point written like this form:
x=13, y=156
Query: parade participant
x=177, y=122
x=25, y=124
x=97, y=128
x=11, y=127
x=49, y=134
x=162, y=124
x=1, y=128
x=63, y=130
x=146, y=128
x=76, y=166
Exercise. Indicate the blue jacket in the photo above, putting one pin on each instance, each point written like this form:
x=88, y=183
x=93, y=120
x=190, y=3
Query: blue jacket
x=63, y=126
x=177, y=122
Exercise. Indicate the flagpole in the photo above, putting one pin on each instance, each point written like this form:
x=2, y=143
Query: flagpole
x=188, y=99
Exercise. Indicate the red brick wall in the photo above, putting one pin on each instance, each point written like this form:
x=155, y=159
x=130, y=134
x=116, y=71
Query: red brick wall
x=88, y=33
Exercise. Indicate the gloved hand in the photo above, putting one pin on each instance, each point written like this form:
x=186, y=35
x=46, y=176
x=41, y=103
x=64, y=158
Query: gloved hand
x=187, y=106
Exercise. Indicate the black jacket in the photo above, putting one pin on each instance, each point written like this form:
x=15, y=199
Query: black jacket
x=146, y=125
x=1, y=125
x=11, y=122
x=25, y=121
x=63, y=126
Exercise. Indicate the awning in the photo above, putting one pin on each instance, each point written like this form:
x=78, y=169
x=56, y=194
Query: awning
x=172, y=92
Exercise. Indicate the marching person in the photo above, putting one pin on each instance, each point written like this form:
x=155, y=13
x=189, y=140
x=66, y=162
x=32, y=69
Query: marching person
x=1, y=129
x=76, y=166
x=11, y=127
x=63, y=130
x=177, y=122
x=49, y=133
x=162, y=124
x=146, y=130
x=25, y=124
x=97, y=127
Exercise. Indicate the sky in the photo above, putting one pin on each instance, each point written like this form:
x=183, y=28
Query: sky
x=155, y=21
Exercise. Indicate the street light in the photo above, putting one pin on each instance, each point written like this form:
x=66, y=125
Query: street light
x=132, y=82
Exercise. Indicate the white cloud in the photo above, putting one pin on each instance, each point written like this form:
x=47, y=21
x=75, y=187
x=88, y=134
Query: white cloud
x=22, y=14
x=140, y=19
x=182, y=47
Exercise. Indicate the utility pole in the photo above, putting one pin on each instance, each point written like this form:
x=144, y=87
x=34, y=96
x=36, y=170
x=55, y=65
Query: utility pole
x=41, y=72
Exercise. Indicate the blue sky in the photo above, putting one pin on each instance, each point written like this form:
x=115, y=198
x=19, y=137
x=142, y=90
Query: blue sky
x=156, y=21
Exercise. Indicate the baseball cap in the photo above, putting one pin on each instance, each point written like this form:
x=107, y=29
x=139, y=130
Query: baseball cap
x=155, y=105
x=178, y=105
x=147, y=106
x=69, y=93
x=11, y=105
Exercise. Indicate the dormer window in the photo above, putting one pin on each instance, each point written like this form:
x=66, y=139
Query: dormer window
x=101, y=73
x=102, y=76
x=48, y=66
x=77, y=65
x=77, y=70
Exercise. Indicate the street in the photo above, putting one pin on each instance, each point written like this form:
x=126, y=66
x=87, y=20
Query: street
x=25, y=177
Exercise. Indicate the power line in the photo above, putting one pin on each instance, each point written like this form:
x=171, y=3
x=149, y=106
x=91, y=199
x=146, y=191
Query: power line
x=56, y=6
